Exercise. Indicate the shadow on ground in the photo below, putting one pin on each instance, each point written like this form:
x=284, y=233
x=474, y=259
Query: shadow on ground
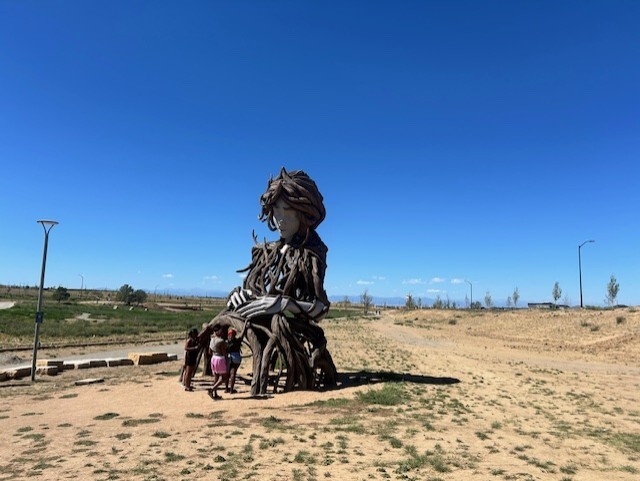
x=345, y=380
x=359, y=378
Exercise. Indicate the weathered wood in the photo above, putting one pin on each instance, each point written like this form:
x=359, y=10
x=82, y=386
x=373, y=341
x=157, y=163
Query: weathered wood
x=284, y=285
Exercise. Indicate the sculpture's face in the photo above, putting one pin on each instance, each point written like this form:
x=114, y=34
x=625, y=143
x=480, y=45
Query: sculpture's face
x=286, y=219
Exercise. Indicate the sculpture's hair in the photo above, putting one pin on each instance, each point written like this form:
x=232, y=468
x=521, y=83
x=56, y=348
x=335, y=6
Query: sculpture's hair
x=300, y=192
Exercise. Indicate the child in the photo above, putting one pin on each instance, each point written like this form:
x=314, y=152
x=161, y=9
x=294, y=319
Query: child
x=218, y=361
x=235, y=358
x=191, y=349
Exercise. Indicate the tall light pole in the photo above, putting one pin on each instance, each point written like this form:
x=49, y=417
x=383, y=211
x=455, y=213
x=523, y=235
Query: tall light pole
x=580, y=267
x=471, y=285
x=81, y=284
x=47, y=225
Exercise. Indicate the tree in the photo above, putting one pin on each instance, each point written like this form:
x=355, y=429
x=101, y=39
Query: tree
x=516, y=297
x=612, y=291
x=61, y=294
x=488, y=301
x=366, y=300
x=438, y=304
x=556, y=293
x=409, y=303
x=139, y=297
x=509, y=302
x=125, y=294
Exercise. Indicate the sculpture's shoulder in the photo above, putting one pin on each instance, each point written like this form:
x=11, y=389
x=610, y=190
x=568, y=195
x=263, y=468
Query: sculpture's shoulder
x=312, y=245
x=261, y=248
x=315, y=246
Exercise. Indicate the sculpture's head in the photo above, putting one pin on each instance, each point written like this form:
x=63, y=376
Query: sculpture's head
x=292, y=204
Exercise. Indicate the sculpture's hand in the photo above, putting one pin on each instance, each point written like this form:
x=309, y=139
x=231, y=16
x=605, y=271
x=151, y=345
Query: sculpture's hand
x=263, y=306
x=269, y=305
x=238, y=297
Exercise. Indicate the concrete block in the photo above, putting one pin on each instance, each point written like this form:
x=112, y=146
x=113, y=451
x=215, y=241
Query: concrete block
x=48, y=370
x=19, y=372
x=84, y=364
x=50, y=362
x=84, y=382
x=143, y=358
x=118, y=361
x=97, y=363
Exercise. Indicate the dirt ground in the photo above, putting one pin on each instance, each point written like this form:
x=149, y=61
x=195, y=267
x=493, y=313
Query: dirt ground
x=424, y=395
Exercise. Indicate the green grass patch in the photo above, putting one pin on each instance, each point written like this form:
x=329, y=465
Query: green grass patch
x=63, y=320
x=274, y=423
x=138, y=422
x=628, y=442
x=171, y=457
x=389, y=395
x=106, y=416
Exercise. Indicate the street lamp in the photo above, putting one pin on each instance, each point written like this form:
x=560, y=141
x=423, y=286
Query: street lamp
x=580, y=266
x=471, y=285
x=81, y=284
x=47, y=225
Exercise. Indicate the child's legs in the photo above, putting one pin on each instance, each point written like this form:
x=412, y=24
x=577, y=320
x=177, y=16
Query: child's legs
x=218, y=379
x=188, y=375
x=232, y=376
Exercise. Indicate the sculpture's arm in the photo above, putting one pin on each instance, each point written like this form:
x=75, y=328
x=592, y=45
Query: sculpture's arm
x=269, y=305
x=238, y=297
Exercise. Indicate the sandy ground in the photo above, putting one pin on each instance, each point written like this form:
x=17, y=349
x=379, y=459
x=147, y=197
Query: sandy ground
x=483, y=396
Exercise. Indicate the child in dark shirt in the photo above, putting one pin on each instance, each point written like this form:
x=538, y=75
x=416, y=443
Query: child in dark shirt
x=191, y=349
x=235, y=358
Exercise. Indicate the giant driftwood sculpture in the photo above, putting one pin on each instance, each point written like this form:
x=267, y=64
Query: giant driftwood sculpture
x=277, y=309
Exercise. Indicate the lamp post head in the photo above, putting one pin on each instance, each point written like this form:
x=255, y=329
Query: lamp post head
x=48, y=222
x=586, y=242
x=47, y=225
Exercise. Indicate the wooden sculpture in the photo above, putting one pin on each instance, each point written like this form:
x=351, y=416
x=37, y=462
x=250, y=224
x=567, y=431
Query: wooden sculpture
x=277, y=309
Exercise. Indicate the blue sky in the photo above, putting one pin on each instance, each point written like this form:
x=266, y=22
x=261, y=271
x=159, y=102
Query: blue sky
x=451, y=140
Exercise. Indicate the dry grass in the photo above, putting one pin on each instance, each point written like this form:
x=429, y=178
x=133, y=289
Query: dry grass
x=485, y=396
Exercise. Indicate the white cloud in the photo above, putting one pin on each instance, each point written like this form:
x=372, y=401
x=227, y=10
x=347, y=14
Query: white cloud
x=413, y=282
x=167, y=276
x=365, y=283
x=436, y=280
x=379, y=278
x=455, y=280
x=436, y=291
x=214, y=279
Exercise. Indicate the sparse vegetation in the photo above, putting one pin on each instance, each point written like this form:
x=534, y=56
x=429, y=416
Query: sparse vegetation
x=439, y=400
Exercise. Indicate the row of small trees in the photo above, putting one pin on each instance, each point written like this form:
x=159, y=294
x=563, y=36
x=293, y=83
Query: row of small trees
x=613, y=287
x=126, y=294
